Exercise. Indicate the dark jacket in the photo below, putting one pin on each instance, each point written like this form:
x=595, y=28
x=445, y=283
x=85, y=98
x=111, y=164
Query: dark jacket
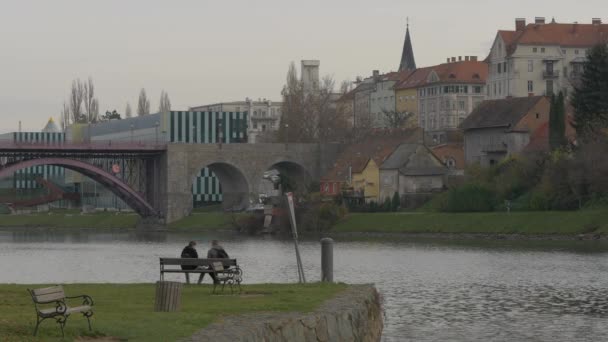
x=217, y=252
x=189, y=252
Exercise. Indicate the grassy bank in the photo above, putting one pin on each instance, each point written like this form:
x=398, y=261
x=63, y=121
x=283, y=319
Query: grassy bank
x=70, y=219
x=527, y=223
x=126, y=311
x=206, y=221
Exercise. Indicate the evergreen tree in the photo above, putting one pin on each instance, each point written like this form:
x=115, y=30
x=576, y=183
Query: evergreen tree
x=590, y=99
x=396, y=202
x=557, y=122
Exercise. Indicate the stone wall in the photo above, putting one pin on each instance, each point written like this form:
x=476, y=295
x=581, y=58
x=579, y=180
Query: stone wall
x=353, y=315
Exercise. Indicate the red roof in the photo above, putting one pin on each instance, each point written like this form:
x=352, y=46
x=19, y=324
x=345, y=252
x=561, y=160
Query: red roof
x=567, y=35
x=539, y=139
x=456, y=72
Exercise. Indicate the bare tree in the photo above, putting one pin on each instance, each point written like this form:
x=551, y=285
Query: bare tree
x=143, y=104
x=128, y=112
x=310, y=116
x=76, y=99
x=91, y=105
x=165, y=103
x=396, y=119
x=346, y=86
x=65, y=116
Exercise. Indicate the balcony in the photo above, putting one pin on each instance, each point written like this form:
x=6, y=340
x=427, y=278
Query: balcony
x=550, y=74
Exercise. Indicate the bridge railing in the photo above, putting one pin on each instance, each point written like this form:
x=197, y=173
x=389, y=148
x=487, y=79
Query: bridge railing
x=87, y=145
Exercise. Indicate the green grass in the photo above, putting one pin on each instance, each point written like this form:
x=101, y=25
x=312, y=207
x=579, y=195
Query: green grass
x=70, y=219
x=545, y=223
x=205, y=221
x=127, y=311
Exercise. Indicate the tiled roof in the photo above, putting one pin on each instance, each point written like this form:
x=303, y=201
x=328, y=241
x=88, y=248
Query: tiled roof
x=539, y=139
x=450, y=150
x=456, y=72
x=566, y=35
x=414, y=160
x=500, y=113
x=377, y=146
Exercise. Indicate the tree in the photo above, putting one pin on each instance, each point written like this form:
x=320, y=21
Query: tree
x=309, y=116
x=128, y=113
x=395, y=119
x=75, y=102
x=113, y=115
x=165, y=103
x=91, y=105
x=590, y=99
x=395, y=202
x=143, y=104
x=557, y=122
x=65, y=116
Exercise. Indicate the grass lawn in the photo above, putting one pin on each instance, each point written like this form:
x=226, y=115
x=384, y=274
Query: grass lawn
x=126, y=311
x=546, y=223
x=71, y=219
x=206, y=220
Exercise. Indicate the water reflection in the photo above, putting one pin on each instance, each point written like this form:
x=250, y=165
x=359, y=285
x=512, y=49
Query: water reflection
x=433, y=290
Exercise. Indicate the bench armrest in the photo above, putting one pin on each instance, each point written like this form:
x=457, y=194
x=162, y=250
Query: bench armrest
x=86, y=300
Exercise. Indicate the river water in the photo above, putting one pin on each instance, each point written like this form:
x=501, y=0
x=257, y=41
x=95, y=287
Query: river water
x=433, y=290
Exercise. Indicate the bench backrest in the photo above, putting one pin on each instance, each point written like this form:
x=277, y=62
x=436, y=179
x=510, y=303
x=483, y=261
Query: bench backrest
x=195, y=262
x=47, y=294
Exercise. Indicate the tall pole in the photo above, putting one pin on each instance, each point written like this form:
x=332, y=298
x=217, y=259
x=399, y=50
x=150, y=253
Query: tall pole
x=294, y=230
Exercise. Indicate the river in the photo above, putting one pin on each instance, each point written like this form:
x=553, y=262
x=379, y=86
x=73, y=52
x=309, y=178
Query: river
x=433, y=290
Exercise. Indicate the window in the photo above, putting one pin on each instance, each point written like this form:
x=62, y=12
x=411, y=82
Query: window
x=477, y=89
x=535, y=50
x=565, y=71
x=537, y=115
x=499, y=65
x=461, y=105
x=576, y=52
x=255, y=125
x=530, y=66
x=563, y=51
x=263, y=128
x=494, y=88
x=504, y=65
x=499, y=88
x=530, y=86
x=542, y=50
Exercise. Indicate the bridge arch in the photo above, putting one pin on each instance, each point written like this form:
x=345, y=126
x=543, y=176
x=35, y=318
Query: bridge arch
x=132, y=198
x=233, y=182
x=298, y=175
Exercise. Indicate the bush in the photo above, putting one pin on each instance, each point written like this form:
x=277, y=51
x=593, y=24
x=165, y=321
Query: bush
x=470, y=197
x=396, y=202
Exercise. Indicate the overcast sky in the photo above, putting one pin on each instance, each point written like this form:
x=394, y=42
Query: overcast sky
x=203, y=52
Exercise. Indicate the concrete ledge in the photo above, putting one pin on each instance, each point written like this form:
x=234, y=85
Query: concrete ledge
x=353, y=315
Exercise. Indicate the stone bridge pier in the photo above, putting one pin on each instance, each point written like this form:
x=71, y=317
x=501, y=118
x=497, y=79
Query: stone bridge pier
x=239, y=168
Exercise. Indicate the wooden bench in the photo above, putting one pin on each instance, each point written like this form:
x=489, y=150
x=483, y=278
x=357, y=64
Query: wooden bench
x=50, y=302
x=226, y=271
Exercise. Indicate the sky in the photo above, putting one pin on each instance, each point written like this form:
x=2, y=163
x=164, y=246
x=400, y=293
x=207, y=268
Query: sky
x=204, y=52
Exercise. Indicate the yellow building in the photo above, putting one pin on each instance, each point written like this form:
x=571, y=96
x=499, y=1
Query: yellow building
x=406, y=94
x=367, y=181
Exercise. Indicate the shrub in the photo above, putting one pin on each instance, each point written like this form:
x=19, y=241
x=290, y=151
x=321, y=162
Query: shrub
x=470, y=197
x=396, y=202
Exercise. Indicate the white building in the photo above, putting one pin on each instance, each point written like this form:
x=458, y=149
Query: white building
x=310, y=75
x=263, y=115
x=540, y=58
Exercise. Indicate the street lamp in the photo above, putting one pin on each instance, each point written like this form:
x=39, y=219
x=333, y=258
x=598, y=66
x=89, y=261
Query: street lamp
x=286, y=136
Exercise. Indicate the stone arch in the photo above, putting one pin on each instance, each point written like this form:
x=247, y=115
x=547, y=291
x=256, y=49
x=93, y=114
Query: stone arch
x=121, y=189
x=234, y=184
x=297, y=173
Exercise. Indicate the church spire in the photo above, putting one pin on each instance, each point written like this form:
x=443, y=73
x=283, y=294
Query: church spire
x=407, y=56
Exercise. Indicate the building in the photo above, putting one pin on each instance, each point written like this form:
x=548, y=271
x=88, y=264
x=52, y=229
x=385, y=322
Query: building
x=356, y=172
x=408, y=63
x=309, y=70
x=449, y=93
x=539, y=58
x=452, y=156
x=497, y=129
x=411, y=168
x=406, y=93
x=264, y=115
x=382, y=96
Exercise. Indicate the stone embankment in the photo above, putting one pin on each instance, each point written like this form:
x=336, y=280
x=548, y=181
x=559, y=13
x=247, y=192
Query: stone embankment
x=353, y=315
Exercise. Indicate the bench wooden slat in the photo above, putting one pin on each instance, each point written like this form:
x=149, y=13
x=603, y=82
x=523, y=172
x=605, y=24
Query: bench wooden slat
x=48, y=290
x=51, y=297
x=195, y=262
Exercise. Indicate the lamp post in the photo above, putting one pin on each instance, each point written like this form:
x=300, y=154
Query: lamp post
x=286, y=136
x=157, y=124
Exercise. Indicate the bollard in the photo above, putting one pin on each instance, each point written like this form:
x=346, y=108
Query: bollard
x=327, y=260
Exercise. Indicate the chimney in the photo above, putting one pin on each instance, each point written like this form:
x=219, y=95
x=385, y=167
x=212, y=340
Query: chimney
x=596, y=21
x=448, y=61
x=376, y=73
x=466, y=58
x=460, y=58
x=473, y=58
x=539, y=20
x=520, y=24
x=453, y=59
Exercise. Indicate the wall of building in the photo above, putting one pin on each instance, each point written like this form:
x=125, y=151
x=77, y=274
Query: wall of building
x=490, y=145
x=407, y=102
x=419, y=184
x=368, y=181
x=382, y=99
x=389, y=183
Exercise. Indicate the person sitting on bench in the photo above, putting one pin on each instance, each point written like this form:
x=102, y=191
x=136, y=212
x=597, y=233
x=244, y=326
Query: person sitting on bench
x=215, y=252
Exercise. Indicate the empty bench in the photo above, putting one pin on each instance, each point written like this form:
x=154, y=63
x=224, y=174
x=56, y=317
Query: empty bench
x=226, y=271
x=51, y=302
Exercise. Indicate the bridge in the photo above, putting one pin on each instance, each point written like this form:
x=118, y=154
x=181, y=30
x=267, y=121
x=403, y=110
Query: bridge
x=164, y=173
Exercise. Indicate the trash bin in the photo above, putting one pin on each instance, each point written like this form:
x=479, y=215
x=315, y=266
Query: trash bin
x=168, y=296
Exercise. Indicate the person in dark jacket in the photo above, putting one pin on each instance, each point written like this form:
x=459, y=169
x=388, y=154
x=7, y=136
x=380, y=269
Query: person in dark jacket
x=189, y=252
x=215, y=252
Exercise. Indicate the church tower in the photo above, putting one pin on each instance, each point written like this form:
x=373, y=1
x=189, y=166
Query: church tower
x=407, y=56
